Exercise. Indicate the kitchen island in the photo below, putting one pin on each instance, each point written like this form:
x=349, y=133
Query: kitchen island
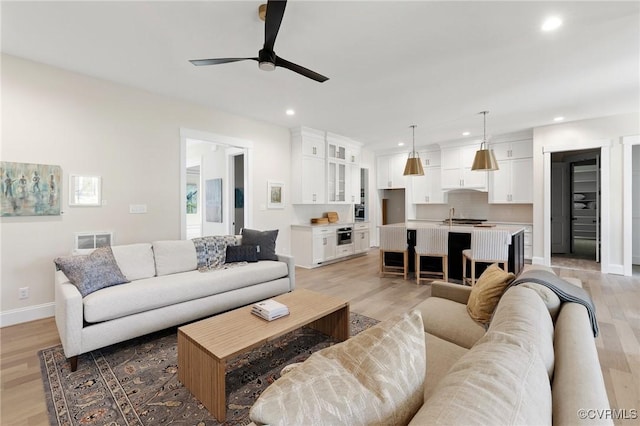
x=459, y=239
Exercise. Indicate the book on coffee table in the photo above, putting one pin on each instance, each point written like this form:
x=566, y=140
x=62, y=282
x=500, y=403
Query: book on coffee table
x=269, y=309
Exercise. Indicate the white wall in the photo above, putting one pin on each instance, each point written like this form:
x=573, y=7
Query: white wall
x=129, y=137
x=635, y=211
x=576, y=134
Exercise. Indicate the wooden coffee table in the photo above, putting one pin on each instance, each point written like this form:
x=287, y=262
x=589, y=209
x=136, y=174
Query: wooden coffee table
x=205, y=346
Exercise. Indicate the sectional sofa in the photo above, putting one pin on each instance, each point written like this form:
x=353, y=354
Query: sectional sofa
x=165, y=289
x=536, y=364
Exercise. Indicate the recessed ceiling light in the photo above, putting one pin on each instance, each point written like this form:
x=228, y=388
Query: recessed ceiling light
x=558, y=119
x=290, y=112
x=466, y=133
x=400, y=143
x=551, y=23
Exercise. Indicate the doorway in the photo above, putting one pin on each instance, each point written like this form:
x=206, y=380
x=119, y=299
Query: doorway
x=223, y=166
x=238, y=193
x=575, y=209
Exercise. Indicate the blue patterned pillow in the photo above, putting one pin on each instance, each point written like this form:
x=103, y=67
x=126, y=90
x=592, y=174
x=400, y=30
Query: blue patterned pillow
x=212, y=250
x=92, y=272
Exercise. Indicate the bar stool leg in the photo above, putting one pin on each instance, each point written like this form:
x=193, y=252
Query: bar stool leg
x=445, y=268
x=473, y=272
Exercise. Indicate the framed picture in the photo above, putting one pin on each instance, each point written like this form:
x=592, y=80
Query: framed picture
x=30, y=189
x=213, y=193
x=85, y=190
x=192, y=198
x=275, y=195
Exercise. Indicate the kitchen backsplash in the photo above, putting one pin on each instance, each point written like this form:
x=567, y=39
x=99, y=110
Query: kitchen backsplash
x=475, y=205
x=304, y=212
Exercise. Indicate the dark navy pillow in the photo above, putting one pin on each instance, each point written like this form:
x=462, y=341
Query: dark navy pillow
x=264, y=240
x=241, y=254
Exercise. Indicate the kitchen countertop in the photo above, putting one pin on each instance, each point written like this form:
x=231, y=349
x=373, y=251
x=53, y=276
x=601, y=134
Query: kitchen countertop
x=324, y=225
x=467, y=229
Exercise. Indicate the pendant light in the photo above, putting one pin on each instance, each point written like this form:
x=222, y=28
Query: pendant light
x=414, y=165
x=484, y=160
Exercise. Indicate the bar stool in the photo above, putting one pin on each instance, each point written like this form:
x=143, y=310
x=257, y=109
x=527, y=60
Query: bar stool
x=432, y=242
x=487, y=246
x=393, y=239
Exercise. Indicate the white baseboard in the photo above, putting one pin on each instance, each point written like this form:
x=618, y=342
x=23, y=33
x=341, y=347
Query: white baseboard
x=31, y=313
x=615, y=269
x=537, y=260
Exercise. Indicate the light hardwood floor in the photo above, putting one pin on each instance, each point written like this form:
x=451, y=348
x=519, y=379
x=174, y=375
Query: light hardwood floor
x=617, y=301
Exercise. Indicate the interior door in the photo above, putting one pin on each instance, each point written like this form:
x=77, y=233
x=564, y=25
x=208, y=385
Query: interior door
x=560, y=208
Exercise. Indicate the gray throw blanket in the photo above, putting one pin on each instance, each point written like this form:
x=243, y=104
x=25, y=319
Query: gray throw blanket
x=566, y=291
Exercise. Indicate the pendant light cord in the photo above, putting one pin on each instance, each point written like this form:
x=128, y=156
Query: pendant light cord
x=484, y=131
x=413, y=146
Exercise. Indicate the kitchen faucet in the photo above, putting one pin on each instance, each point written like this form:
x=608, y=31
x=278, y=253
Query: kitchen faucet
x=452, y=211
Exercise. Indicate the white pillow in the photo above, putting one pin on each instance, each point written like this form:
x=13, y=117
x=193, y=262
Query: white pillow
x=174, y=256
x=135, y=260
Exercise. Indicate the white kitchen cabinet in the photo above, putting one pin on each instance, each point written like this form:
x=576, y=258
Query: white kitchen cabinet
x=308, y=164
x=456, y=170
x=361, y=238
x=324, y=246
x=427, y=189
x=336, y=182
x=430, y=158
x=343, y=158
x=390, y=169
x=512, y=150
x=354, y=195
x=512, y=183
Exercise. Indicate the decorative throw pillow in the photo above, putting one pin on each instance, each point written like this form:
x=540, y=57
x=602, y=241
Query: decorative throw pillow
x=211, y=251
x=264, y=240
x=241, y=254
x=486, y=294
x=93, y=271
x=376, y=377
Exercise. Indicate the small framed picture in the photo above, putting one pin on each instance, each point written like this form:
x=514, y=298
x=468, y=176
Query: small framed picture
x=275, y=195
x=85, y=190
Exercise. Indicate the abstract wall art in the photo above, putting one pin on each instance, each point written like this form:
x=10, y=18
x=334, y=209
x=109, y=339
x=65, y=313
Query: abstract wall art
x=30, y=189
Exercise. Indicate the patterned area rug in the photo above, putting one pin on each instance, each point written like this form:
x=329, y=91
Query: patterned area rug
x=136, y=382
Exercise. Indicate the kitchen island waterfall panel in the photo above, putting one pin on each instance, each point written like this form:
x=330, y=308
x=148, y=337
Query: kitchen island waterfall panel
x=460, y=239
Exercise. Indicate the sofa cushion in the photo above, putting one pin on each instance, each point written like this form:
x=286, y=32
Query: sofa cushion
x=486, y=293
x=92, y=272
x=174, y=256
x=522, y=312
x=450, y=321
x=441, y=355
x=376, y=377
x=500, y=381
x=264, y=240
x=150, y=293
x=135, y=260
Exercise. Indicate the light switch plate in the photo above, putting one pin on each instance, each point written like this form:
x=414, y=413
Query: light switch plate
x=137, y=208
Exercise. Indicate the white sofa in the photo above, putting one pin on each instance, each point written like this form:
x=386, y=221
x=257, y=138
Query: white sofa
x=165, y=290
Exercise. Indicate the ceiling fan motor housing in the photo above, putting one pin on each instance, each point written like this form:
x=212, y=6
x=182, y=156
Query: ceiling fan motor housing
x=266, y=60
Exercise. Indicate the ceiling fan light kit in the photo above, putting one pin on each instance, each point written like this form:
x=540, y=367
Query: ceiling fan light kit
x=414, y=165
x=485, y=159
x=272, y=14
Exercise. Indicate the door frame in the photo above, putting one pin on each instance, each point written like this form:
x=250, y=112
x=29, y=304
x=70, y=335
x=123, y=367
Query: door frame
x=605, y=160
x=228, y=141
x=627, y=214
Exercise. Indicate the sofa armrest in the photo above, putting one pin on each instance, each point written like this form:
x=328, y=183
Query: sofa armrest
x=68, y=314
x=291, y=265
x=456, y=292
x=578, y=383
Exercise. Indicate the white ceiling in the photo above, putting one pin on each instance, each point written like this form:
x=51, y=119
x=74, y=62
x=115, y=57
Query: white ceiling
x=390, y=64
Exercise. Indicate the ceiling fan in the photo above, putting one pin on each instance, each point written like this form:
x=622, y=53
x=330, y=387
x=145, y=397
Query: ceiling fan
x=267, y=58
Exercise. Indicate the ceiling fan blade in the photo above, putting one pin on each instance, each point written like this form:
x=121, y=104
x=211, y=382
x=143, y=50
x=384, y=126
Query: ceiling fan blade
x=275, y=12
x=199, y=62
x=300, y=70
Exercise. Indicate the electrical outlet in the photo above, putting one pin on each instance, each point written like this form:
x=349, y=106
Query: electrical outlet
x=23, y=292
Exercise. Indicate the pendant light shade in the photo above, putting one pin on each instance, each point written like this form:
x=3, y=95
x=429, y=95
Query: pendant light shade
x=485, y=159
x=414, y=165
